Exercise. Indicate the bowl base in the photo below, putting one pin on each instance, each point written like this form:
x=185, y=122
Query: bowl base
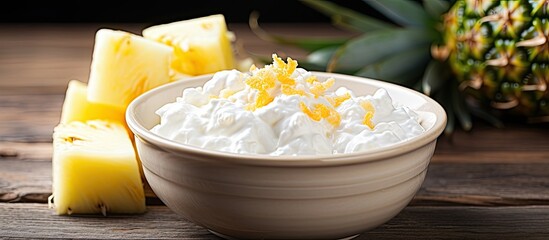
x=233, y=238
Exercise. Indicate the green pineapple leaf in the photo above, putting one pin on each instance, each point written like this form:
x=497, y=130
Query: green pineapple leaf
x=436, y=7
x=308, y=44
x=461, y=110
x=403, y=12
x=436, y=75
x=372, y=47
x=445, y=99
x=321, y=57
x=398, y=68
x=486, y=116
x=347, y=18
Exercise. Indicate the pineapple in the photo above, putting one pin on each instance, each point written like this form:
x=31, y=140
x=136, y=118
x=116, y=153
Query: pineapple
x=76, y=106
x=95, y=170
x=201, y=45
x=124, y=66
x=499, y=52
x=484, y=58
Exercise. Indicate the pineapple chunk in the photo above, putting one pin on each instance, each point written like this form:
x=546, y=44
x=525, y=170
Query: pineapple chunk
x=201, y=45
x=95, y=170
x=76, y=106
x=124, y=66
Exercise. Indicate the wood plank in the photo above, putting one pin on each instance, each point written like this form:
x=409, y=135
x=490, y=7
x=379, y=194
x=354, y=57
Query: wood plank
x=515, y=143
x=485, y=184
x=445, y=184
x=37, y=221
x=29, y=117
x=26, y=151
x=25, y=181
x=465, y=223
x=453, y=222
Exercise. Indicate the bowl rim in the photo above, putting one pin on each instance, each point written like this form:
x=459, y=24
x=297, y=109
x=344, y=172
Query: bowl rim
x=430, y=135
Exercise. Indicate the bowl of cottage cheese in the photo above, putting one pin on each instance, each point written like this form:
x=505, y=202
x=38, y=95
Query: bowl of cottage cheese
x=280, y=152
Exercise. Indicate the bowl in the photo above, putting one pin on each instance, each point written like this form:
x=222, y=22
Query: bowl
x=238, y=196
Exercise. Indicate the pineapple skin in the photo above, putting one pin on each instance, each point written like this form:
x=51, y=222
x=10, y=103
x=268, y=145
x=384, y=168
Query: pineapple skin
x=124, y=66
x=201, y=45
x=95, y=170
x=495, y=56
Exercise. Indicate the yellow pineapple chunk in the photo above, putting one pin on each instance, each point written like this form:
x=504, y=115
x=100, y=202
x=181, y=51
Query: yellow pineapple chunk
x=124, y=66
x=95, y=170
x=76, y=106
x=201, y=45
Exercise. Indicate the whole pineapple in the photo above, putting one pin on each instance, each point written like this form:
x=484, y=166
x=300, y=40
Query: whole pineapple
x=499, y=52
x=476, y=57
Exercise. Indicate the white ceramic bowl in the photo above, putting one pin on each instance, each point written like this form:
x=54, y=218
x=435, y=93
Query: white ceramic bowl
x=286, y=197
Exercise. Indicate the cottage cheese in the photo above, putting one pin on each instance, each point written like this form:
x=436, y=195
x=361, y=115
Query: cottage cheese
x=283, y=110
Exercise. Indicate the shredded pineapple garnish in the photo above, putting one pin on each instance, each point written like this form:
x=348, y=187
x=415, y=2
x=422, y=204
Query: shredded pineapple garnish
x=368, y=120
x=319, y=88
x=266, y=79
x=262, y=80
x=320, y=112
x=291, y=90
x=310, y=80
x=369, y=114
x=337, y=100
x=284, y=70
x=263, y=98
x=279, y=76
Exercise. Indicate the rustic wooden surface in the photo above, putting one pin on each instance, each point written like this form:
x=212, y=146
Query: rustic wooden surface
x=489, y=183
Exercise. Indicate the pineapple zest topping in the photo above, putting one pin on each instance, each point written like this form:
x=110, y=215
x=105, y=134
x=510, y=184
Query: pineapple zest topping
x=277, y=77
x=369, y=113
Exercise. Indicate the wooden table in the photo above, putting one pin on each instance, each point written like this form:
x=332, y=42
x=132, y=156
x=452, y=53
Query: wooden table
x=485, y=184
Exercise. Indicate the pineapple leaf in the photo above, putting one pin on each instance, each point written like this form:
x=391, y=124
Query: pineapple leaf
x=347, y=18
x=436, y=7
x=486, y=116
x=308, y=44
x=311, y=66
x=398, y=67
x=403, y=12
x=321, y=57
x=461, y=111
x=372, y=47
x=436, y=74
x=443, y=97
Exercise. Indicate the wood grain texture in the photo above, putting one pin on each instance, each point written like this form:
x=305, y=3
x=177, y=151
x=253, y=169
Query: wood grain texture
x=445, y=184
x=462, y=223
x=414, y=222
x=25, y=181
x=515, y=143
x=485, y=184
x=37, y=221
x=29, y=118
